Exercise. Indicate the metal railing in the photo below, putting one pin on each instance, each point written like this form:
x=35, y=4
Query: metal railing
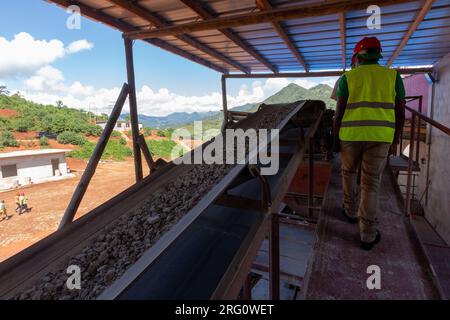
x=417, y=119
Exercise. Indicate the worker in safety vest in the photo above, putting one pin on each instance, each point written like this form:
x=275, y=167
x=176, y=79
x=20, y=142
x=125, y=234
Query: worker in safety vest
x=17, y=202
x=3, y=211
x=23, y=203
x=370, y=114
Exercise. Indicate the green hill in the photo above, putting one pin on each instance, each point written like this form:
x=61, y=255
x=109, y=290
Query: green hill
x=290, y=93
x=31, y=116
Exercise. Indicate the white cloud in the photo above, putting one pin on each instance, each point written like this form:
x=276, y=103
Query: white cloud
x=47, y=86
x=24, y=55
x=46, y=78
x=80, y=45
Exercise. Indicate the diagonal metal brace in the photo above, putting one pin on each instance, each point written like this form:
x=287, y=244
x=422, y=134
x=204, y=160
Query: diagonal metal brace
x=266, y=201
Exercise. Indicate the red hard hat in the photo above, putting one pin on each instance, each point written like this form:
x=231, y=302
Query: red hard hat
x=366, y=43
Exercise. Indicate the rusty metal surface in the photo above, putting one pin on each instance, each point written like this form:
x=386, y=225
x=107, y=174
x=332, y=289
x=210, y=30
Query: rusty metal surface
x=339, y=267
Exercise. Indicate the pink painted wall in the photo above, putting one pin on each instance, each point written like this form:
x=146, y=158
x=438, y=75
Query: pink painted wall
x=417, y=85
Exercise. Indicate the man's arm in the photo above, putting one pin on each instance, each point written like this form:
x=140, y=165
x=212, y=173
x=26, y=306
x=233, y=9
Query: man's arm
x=340, y=109
x=342, y=96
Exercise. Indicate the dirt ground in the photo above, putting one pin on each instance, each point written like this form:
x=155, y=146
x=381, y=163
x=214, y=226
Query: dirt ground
x=49, y=200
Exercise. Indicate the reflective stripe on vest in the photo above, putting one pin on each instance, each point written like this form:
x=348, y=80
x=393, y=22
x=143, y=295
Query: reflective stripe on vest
x=370, y=111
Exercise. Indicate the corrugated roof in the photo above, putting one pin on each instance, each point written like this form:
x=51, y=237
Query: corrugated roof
x=313, y=41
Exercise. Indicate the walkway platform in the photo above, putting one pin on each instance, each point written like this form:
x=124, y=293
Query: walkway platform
x=338, y=268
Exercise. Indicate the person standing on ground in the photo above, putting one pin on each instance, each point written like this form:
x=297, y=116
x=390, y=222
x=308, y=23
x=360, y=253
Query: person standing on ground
x=3, y=211
x=24, y=202
x=21, y=203
x=370, y=114
x=17, y=202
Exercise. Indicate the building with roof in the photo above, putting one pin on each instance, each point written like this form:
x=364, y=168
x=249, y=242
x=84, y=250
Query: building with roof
x=120, y=126
x=19, y=168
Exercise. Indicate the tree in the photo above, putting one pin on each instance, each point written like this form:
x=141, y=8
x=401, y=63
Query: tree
x=59, y=104
x=3, y=90
x=7, y=140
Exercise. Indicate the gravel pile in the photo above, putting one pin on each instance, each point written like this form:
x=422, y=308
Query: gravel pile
x=123, y=242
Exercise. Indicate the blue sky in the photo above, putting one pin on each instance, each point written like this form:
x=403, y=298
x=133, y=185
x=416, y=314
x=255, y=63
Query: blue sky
x=93, y=74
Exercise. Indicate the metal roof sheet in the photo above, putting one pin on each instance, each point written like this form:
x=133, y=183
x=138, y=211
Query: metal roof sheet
x=316, y=39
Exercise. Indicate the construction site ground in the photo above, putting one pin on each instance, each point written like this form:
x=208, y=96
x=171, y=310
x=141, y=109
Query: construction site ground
x=48, y=201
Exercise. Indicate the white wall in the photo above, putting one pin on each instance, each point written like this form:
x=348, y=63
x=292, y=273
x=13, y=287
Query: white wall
x=437, y=209
x=36, y=167
x=121, y=128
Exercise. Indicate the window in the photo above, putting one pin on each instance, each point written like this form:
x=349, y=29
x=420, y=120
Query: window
x=9, y=171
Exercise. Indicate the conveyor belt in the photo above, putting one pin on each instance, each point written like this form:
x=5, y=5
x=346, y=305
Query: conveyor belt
x=207, y=228
x=193, y=265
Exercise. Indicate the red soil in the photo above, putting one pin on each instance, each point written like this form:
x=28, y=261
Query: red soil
x=8, y=113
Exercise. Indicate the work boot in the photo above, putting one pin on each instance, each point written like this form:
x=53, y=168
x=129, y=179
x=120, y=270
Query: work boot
x=351, y=220
x=369, y=245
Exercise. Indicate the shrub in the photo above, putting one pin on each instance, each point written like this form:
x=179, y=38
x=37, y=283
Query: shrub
x=161, y=133
x=7, y=140
x=122, y=141
x=69, y=137
x=24, y=125
x=170, y=132
x=116, y=134
x=116, y=151
x=113, y=151
x=84, y=152
x=162, y=148
x=93, y=130
x=43, y=141
x=5, y=124
x=147, y=131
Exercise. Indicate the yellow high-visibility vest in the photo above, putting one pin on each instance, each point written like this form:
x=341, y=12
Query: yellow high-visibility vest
x=370, y=111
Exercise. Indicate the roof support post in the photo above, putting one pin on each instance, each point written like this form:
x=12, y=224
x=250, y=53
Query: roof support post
x=274, y=257
x=133, y=109
x=224, y=102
